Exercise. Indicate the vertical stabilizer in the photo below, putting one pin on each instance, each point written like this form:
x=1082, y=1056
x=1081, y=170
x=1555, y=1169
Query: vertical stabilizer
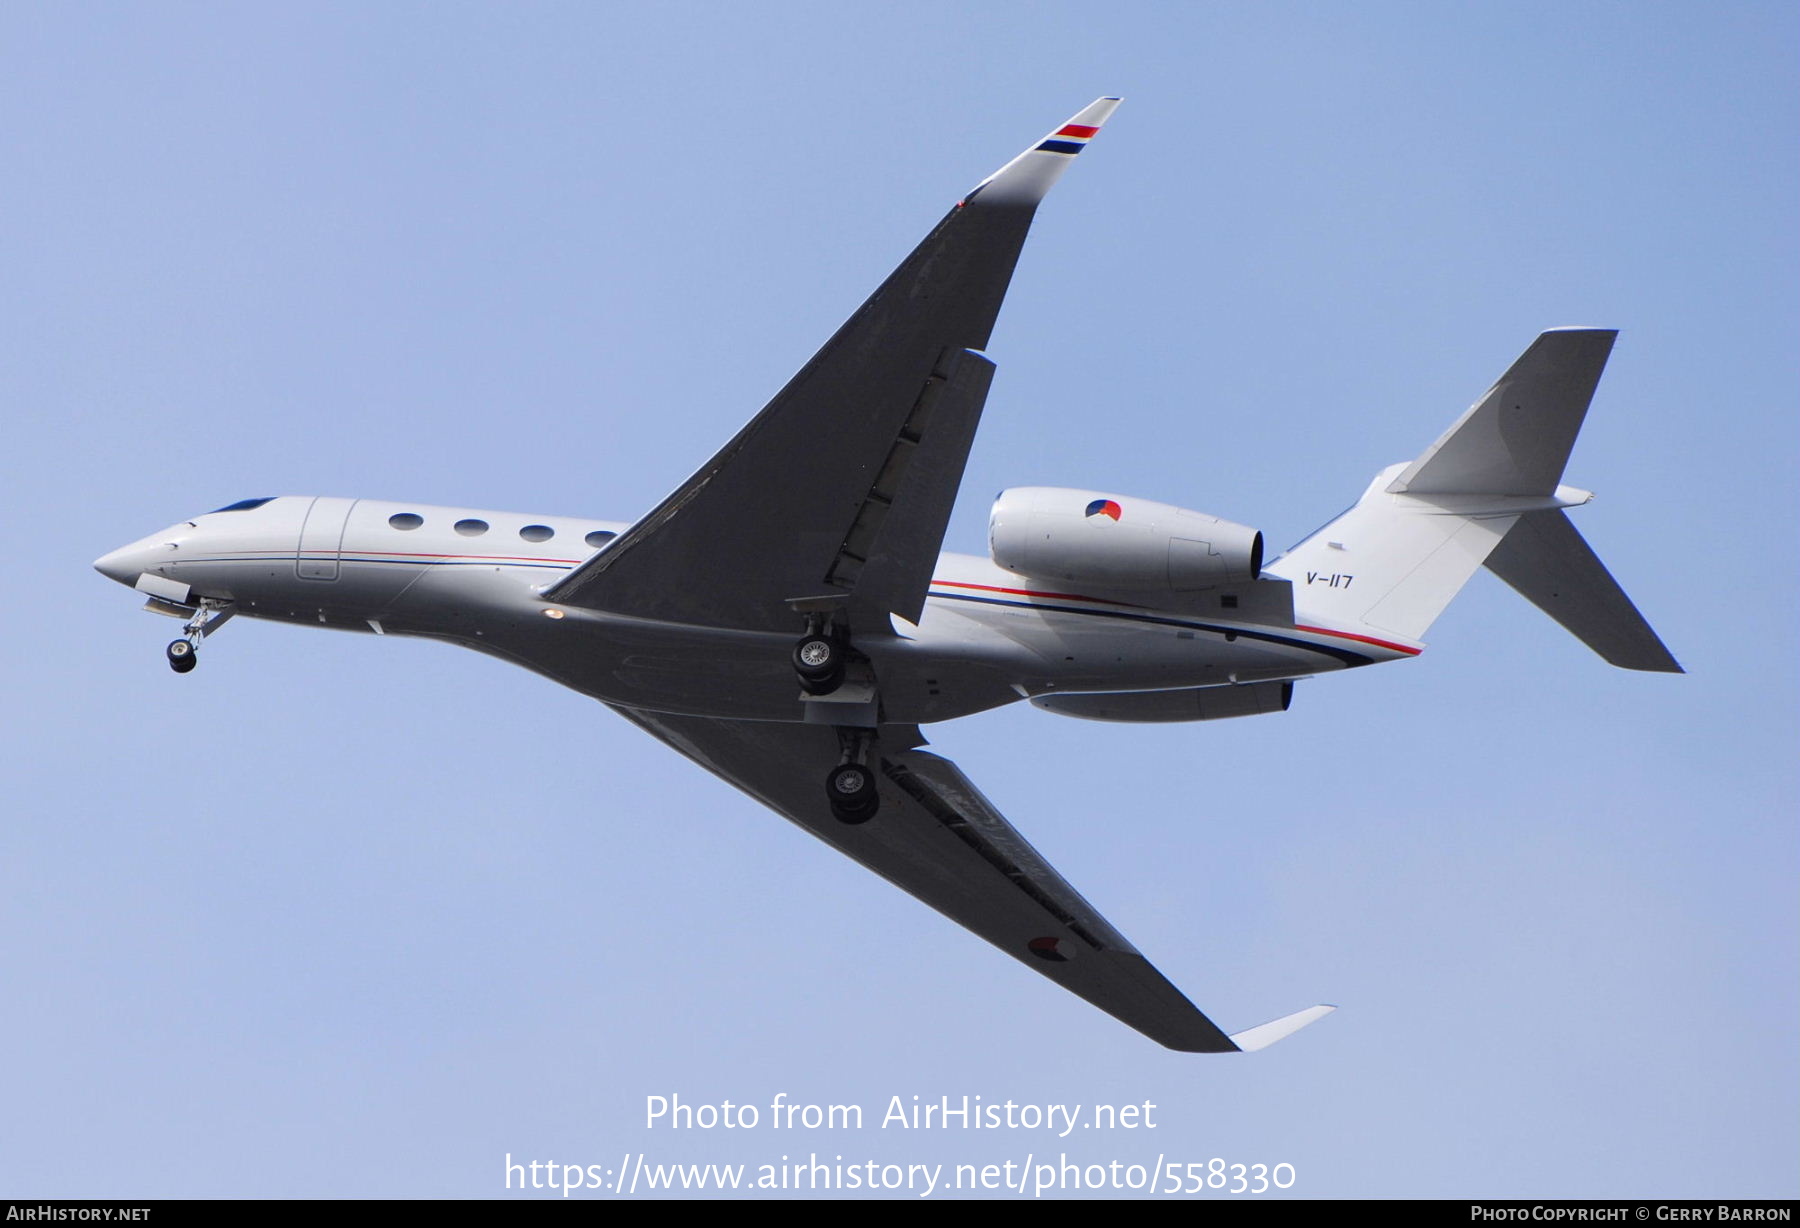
x=1515, y=440
x=1389, y=565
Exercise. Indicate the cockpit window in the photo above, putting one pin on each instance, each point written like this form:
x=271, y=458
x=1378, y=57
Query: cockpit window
x=242, y=505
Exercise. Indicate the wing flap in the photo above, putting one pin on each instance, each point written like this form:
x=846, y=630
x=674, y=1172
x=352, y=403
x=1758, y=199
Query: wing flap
x=886, y=560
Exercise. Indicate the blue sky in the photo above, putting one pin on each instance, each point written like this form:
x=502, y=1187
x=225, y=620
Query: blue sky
x=338, y=916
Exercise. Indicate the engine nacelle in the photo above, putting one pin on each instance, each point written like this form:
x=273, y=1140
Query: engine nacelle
x=1114, y=544
x=1210, y=703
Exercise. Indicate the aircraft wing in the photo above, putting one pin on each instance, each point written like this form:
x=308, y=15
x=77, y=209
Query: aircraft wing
x=938, y=838
x=843, y=484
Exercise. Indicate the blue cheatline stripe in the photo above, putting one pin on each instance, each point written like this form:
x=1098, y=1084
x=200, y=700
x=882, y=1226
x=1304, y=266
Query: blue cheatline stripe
x=1068, y=147
x=1342, y=654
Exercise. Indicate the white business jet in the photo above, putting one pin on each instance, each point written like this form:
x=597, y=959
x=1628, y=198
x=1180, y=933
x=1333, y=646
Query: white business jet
x=785, y=618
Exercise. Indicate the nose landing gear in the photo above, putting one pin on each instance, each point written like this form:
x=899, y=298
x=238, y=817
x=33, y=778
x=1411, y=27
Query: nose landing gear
x=208, y=617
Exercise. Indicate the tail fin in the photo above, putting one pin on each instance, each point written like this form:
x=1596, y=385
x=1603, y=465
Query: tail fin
x=1516, y=439
x=1488, y=491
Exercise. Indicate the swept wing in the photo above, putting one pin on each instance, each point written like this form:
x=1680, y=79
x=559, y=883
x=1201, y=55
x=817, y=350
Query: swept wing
x=843, y=484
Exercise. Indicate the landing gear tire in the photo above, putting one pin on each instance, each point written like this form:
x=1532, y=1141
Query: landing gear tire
x=181, y=656
x=851, y=789
x=819, y=660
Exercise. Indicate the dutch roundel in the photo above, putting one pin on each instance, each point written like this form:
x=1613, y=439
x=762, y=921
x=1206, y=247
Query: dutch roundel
x=1104, y=507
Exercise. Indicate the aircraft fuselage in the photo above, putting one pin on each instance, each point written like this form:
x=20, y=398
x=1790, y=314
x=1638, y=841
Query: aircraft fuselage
x=476, y=578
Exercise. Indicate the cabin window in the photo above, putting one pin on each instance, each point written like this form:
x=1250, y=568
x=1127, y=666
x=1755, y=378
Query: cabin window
x=599, y=537
x=471, y=527
x=405, y=520
x=537, y=532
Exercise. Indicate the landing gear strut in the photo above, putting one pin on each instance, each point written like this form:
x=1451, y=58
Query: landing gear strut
x=851, y=785
x=208, y=617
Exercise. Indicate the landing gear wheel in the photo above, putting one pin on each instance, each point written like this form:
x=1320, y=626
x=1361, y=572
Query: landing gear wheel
x=851, y=788
x=181, y=656
x=819, y=660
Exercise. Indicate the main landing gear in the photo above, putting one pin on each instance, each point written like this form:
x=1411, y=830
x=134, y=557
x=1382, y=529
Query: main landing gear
x=819, y=658
x=851, y=785
x=208, y=617
x=838, y=689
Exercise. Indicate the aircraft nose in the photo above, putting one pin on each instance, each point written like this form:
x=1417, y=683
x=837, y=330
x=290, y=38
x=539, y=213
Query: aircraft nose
x=125, y=565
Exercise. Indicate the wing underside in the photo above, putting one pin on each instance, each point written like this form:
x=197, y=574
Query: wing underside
x=939, y=839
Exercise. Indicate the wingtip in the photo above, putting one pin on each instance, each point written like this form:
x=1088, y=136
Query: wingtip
x=1028, y=178
x=1097, y=111
x=1582, y=328
x=1265, y=1034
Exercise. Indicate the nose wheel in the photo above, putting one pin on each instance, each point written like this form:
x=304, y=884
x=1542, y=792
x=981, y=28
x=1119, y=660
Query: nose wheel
x=181, y=656
x=209, y=616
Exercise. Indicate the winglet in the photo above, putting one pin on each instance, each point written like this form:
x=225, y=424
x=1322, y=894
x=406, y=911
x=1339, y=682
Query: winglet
x=1030, y=176
x=1265, y=1034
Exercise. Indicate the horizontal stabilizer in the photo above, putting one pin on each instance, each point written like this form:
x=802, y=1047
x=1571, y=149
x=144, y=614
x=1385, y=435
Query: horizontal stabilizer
x=1516, y=439
x=1546, y=560
x=1265, y=1034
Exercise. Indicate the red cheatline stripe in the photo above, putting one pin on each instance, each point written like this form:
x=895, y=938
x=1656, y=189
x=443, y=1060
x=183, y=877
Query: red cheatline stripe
x=1031, y=592
x=1080, y=130
x=1365, y=639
